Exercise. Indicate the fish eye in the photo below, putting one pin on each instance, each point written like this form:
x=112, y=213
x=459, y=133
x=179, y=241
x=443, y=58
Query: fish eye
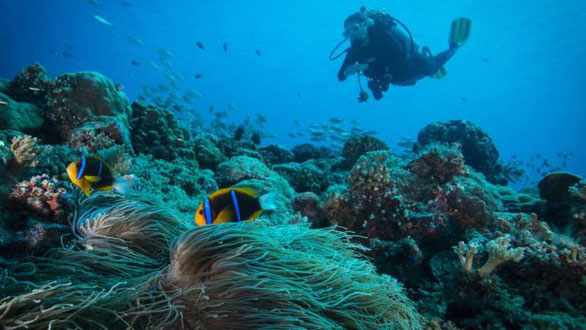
x=200, y=211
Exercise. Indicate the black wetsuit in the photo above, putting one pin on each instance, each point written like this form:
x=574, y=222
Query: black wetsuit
x=392, y=58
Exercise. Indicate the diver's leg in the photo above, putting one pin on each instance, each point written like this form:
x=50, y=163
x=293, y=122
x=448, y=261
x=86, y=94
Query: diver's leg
x=441, y=58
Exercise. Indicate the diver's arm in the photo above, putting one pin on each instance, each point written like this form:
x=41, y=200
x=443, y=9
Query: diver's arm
x=348, y=60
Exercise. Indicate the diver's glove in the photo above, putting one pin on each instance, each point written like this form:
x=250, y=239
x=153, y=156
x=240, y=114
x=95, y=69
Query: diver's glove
x=362, y=96
x=355, y=68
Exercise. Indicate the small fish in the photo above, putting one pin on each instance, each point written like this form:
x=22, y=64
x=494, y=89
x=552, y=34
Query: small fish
x=355, y=122
x=464, y=99
x=34, y=89
x=135, y=41
x=134, y=62
x=485, y=60
x=200, y=45
x=291, y=134
x=297, y=122
x=92, y=173
x=93, y=2
x=154, y=66
x=233, y=205
x=119, y=87
x=225, y=46
x=336, y=120
x=101, y=20
x=231, y=106
x=406, y=144
x=126, y=4
x=164, y=52
x=198, y=75
x=258, y=53
x=3, y=102
x=68, y=54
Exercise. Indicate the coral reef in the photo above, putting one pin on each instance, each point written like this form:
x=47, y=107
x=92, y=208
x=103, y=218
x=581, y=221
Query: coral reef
x=207, y=154
x=242, y=168
x=304, y=176
x=471, y=252
x=307, y=151
x=359, y=145
x=155, y=131
x=75, y=99
x=477, y=147
x=41, y=195
x=275, y=154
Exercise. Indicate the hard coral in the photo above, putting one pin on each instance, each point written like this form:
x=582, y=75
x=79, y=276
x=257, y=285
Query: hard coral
x=19, y=116
x=41, y=194
x=96, y=136
x=207, y=154
x=477, y=147
x=438, y=163
x=359, y=145
x=29, y=85
x=157, y=132
x=303, y=176
x=243, y=168
x=74, y=99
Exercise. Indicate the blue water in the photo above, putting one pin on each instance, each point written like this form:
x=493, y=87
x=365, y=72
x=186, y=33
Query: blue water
x=520, y=77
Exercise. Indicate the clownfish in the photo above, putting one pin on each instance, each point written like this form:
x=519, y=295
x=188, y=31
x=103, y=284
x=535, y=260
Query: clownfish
x=233, y=205
x=92, y=172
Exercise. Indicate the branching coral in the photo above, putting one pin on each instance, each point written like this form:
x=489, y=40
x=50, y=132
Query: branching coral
x=24, y=150
x=499, y=251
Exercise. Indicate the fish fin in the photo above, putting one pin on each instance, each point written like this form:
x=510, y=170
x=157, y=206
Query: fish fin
x=268, y=202
x=247, y=191
x=225, y=215
x=219, y=192
x=92, y=179
x=104, y=188
x=85, y=187
x=123, y=186
x=460, y=32
x=254, y=215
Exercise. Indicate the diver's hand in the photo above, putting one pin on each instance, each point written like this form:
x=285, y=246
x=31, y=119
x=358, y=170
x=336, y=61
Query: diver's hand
x=355, y=68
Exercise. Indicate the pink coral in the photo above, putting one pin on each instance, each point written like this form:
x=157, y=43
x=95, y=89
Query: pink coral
x=41, y=195
x=96, y=137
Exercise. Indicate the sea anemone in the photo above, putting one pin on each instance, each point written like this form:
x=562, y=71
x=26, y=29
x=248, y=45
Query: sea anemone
x=118, y=275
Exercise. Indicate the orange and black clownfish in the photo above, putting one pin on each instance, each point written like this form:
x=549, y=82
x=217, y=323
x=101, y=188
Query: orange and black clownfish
x=233, y=205
x=92, y=173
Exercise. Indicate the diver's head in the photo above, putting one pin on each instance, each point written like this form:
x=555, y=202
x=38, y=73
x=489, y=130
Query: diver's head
x=356, y=26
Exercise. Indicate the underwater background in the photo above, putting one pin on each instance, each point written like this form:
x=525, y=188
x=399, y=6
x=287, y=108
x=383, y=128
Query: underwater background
x=456, y=203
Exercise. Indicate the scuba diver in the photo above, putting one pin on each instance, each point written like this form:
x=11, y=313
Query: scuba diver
x=386, y=55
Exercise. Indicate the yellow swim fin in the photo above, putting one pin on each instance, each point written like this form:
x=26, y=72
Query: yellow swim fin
x=460, y=32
